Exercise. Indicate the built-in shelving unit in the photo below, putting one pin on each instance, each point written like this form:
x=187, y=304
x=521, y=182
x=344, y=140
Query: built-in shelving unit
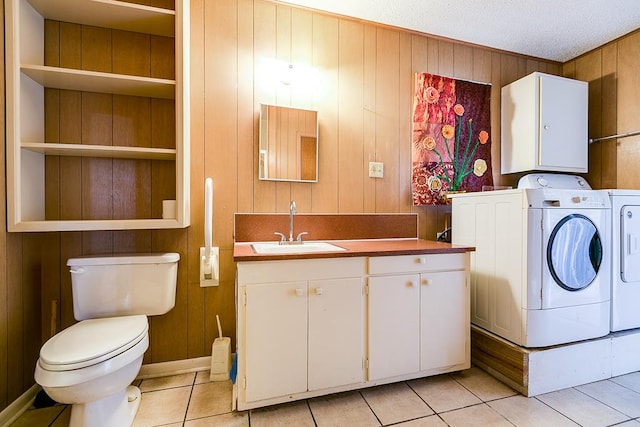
x=31, y=104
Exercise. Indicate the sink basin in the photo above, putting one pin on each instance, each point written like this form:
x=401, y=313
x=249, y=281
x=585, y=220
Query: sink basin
x=304, y=248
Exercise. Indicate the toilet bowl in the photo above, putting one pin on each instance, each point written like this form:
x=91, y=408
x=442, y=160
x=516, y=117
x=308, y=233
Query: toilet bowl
x=94, y=377
x=92, y=363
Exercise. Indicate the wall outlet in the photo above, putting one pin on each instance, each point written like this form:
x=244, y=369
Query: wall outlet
x=376, y=169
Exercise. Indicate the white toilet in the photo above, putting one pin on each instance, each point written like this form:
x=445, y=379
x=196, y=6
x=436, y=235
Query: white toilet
x=91, y=364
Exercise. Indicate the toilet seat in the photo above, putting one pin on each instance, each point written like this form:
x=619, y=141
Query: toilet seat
x=92, y=341
x=133, y=356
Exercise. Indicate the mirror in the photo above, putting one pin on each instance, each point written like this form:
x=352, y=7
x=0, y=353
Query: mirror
x=288, y=144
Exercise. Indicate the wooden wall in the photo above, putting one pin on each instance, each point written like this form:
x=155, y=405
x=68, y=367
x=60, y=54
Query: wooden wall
x=614, y=107
x=364, y=101
x=100, y=188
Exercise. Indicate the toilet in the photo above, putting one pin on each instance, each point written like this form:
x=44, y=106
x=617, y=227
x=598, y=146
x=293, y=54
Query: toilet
x=92, y=363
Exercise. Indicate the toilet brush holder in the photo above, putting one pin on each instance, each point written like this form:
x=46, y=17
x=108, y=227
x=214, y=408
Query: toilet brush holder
x=220, y=356
x=220, y=359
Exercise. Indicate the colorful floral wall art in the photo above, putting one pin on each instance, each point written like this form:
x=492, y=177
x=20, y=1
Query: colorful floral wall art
x=451, y=147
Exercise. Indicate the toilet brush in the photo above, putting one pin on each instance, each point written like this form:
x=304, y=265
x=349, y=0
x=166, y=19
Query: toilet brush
x=220, y=356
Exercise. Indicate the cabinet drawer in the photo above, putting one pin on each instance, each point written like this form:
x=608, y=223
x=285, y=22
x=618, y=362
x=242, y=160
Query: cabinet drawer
x=416, y=263
x=299, y=269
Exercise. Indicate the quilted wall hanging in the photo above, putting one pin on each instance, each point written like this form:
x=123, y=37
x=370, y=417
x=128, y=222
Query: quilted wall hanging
x=451, y=147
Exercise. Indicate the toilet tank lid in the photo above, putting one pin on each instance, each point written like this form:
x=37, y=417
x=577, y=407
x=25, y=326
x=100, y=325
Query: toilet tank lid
x=120, y=259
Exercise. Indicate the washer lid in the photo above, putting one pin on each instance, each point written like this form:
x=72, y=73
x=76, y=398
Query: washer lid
x=92, y=341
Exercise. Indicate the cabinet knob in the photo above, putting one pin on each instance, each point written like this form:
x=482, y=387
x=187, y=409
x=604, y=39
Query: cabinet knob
x=545, y=127
x=425, y=281
x=319, y=291
x=299, y=292
x=411, y=284
x=422, y=260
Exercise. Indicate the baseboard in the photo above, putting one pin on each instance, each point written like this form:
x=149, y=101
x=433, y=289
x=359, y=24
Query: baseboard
x=174, y=367
x=11, y=413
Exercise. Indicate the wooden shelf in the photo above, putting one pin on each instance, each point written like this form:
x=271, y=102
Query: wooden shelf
x=94, y=81
x=94, y=225
x=82, y=150
x=110, y=14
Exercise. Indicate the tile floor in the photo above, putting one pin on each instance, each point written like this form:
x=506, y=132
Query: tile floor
x=467, y=398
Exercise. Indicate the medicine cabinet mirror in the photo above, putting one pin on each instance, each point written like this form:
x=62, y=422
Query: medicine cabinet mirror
x=288, y=144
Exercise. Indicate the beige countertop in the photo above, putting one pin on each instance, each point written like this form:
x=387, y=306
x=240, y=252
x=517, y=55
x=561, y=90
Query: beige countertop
x=355, y=248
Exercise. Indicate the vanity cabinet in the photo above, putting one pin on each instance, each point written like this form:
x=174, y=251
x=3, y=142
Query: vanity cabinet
x=308, y=327
x=418, y=322
x=300, y=328
x=544, y=124
x=97, y=102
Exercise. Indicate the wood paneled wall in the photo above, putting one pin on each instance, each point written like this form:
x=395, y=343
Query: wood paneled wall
x=100, y=188
x=364, y=101
x=614, y=91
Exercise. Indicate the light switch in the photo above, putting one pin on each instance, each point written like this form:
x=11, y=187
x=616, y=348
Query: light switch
x=376, y=169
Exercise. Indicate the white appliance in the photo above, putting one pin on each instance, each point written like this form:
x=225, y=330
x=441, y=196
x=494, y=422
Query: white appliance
x=625, y=259
x=540, y=275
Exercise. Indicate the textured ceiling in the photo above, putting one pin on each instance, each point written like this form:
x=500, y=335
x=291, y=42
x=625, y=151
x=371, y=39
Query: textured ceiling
x=558, y=30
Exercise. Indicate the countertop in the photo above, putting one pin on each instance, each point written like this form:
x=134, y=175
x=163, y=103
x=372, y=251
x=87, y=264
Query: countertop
x=356, y=248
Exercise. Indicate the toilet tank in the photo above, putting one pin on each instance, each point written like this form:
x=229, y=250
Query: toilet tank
x=122, y=285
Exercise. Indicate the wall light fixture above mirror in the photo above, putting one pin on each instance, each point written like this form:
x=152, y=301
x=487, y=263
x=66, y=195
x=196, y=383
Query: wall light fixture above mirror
x=288, y=144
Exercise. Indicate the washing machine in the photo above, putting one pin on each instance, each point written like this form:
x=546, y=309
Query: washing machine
x=625, y=259
x=541, y=273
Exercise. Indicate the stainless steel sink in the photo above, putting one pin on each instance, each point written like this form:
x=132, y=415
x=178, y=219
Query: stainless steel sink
x=302, y=248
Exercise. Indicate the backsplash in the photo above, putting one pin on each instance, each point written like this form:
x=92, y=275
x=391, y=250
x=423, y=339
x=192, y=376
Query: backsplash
x=252, y=227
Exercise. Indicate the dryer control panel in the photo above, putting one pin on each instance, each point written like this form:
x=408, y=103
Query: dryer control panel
x=568, y=199
x=553, y=180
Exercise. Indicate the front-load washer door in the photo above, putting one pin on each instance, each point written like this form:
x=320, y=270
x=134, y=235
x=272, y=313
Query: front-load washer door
x=629, y=242
x=574, y=254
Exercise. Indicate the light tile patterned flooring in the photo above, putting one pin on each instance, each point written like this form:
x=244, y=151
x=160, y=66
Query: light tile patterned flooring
x=467, y=398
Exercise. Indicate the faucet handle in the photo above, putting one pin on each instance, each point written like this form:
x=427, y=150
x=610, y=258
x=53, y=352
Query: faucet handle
x=282, y=238
x=299, y=238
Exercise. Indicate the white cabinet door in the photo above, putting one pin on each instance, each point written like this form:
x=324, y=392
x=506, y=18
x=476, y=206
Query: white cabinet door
x=544, y=124
x=444, y=319
x=563, y=124
x=336, y=333
x=276, y=340
x=394, y=325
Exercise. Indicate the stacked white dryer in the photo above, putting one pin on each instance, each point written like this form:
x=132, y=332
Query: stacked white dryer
x=625, y=257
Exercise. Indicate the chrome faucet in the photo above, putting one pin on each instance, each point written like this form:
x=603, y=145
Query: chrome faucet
x=292, y=212
x=298, y=240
